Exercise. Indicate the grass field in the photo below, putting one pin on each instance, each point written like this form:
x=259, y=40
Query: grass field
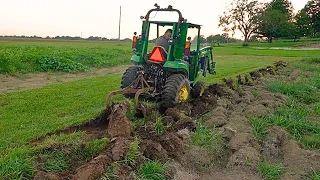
x=28, y=114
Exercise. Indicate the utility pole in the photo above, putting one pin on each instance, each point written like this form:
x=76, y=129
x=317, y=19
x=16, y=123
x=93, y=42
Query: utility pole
x=119, y=24
x=81, y=35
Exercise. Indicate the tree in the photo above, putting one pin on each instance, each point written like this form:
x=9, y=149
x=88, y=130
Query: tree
x=312, y=9
x=303, y=24
x=202, y=39
x=241, y=15
x=276, y=20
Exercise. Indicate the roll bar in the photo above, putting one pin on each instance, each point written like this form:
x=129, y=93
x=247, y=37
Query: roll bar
x=169, y=9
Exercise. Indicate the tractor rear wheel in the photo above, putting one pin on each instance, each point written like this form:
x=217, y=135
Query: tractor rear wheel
x=129, y=76
x=198, y=89
x=176, y=90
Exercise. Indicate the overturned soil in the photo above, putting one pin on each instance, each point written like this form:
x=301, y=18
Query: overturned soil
x=222, y=106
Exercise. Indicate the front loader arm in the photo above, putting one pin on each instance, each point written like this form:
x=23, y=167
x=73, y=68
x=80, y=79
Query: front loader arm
x=207, y=52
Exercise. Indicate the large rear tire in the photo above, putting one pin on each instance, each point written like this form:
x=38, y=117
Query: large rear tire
x=176, y=90
x=198, y=89
x=129, y=76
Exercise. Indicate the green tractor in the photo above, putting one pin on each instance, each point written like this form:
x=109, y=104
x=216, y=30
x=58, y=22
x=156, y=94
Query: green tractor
x=172, y=74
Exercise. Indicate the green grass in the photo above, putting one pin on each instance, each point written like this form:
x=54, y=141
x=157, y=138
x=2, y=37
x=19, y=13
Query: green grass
x=94, y=147
x=303, y=103
x=152, y=170
x=259, y=127
x=133, y=152
x=271, y=171
x=208, y=139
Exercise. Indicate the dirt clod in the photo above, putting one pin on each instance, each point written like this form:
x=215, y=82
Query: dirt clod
x=241, y=140
x=120, y=148
x=257, y=110
x=153, y=150
x=92, y=170
x=119, y=124
x=246, y=156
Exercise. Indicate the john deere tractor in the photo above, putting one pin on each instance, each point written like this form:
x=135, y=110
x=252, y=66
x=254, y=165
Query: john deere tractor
x=172, y=74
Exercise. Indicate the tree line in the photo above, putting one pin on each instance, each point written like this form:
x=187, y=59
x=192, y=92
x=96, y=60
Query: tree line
x=275, y=19
x=90, y=38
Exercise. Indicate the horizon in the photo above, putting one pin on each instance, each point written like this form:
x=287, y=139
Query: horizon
x=83, y=19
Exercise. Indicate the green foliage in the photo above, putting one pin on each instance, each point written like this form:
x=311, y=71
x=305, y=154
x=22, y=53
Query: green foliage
x=275, y=20
x=152, y=170
x=208, y=139
x=271, y=171
x=241, y=15
x=312, y=9
x=34, y=56
x=57, y=64
x=260, y=128
x=133, y=152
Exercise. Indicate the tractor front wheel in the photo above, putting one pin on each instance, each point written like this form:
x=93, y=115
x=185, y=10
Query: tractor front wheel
x=198, y=89
x=176, y=90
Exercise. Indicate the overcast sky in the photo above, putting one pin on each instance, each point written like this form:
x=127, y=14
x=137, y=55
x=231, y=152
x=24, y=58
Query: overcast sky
x=101, y=17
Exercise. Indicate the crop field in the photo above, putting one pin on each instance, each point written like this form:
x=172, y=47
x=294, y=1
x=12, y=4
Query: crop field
x=267, y=128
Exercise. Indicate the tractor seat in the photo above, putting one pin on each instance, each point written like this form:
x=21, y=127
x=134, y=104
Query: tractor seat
x=158, y=54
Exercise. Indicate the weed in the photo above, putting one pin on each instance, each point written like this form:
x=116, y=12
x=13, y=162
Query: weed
x=271, y=171
x=260, y=128
x=311, y=141
x=133, y=152
x=255, y=93
x=158, y=126
x=152, y=170
x=110, y=175
x=313, y=175
x=209, y=139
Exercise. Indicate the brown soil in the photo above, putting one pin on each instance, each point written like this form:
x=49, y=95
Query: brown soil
x=222, y=106
x=37, y=80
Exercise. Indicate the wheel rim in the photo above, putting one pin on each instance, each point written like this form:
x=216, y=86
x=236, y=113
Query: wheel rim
x=183, y=94
x=202, y=90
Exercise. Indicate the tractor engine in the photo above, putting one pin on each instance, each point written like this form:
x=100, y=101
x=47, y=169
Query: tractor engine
x=155, y=76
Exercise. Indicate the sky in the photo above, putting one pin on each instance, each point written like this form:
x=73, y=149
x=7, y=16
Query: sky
x=101, y=17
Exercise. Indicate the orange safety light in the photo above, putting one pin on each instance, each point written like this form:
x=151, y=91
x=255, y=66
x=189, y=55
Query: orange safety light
x=156, y=55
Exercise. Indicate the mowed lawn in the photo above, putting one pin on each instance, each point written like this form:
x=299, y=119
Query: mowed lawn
x=28, y=114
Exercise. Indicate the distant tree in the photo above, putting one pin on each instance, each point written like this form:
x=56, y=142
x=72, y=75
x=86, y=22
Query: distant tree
x=202, y=39
x=312, y=9
x=241, y=15
x=216, y=39
x=302, y=24
x=276, y=20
